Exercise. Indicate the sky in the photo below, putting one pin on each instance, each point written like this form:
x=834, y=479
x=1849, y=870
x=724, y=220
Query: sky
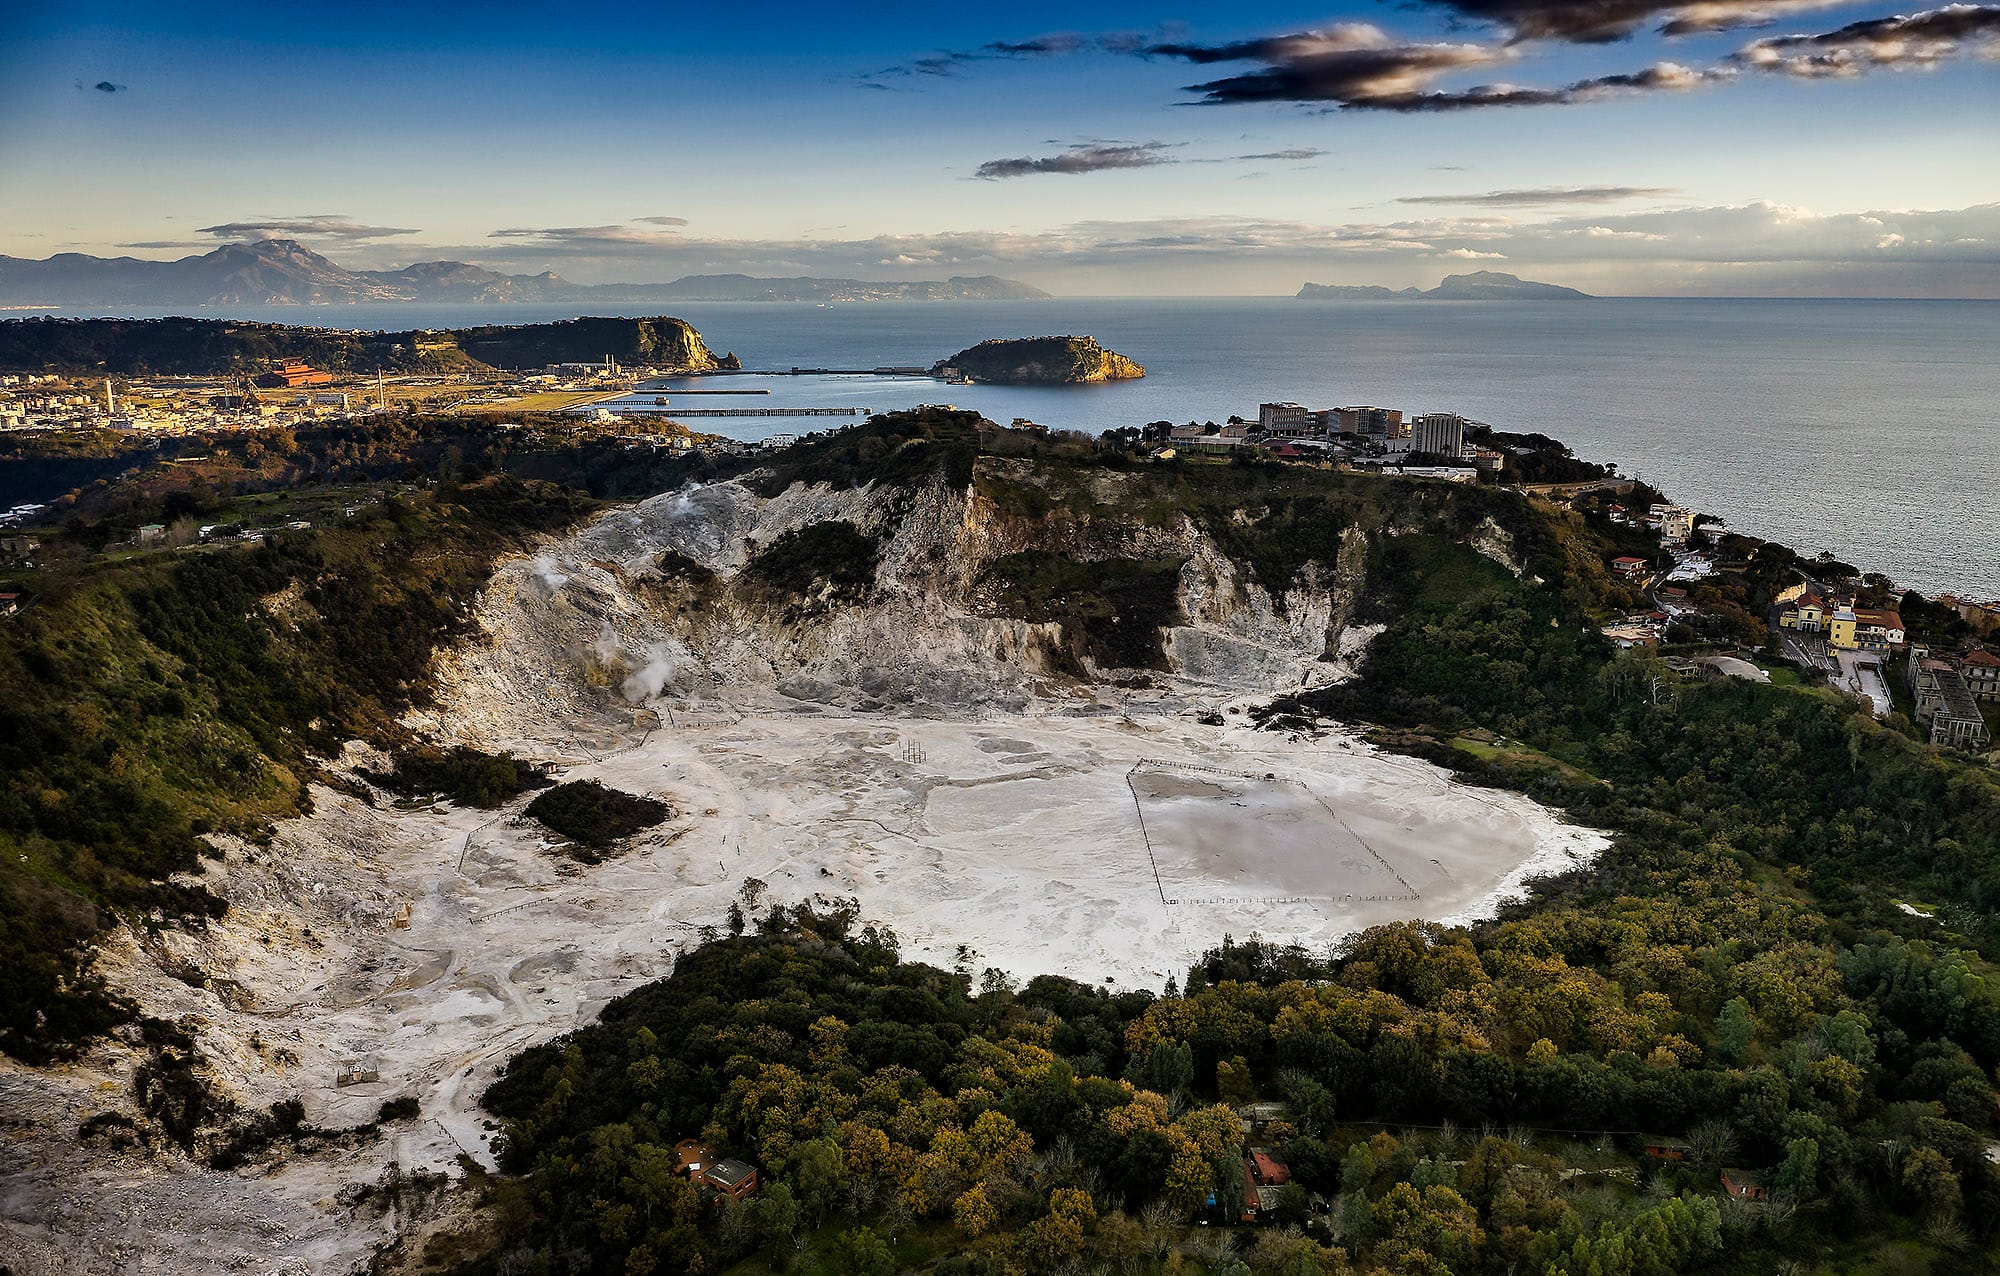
x=1708, y=147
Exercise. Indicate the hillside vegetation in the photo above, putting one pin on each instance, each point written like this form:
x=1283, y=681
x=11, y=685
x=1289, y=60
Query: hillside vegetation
x=1734, y=980
x=148, y=701
x=1735, y=983
x=1043, y=361
x=211, y=347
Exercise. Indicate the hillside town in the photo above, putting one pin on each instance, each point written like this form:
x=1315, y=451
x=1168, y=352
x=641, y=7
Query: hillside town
x=1846, y=632
x=292, y=392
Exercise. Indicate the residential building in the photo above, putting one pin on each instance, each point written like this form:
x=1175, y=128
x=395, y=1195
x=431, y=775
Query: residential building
x=1629, y=567
x=1864, y=629
x=1264, y=1172
x=1743, y=1185
x=1488, y=461
x=1981, y=670
x=735, y=1179
x=1633, y=634
x=1944, y=703
x=1284, y=417
x=1676, y=523
x=152, y=534
x=1381, y=423
x=9, y=604
x=1439, y=433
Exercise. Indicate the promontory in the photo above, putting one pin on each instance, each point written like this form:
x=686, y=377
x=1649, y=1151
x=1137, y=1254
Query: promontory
x=1040, y=361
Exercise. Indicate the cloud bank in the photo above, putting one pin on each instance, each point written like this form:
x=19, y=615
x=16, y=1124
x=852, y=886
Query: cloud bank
x=1603, y=21
x=1546, y=196
x=1919, y=40
x=313, y=226
x=1900, y=252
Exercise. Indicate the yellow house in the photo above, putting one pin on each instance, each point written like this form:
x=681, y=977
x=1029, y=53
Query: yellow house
x=1807, y=614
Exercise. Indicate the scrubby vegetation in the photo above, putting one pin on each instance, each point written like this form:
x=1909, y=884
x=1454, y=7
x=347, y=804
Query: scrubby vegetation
x=1111, y=609
x=467, y=776
x=596, y=818
x=830, y=561
x=152, y=699
x=1043, y=361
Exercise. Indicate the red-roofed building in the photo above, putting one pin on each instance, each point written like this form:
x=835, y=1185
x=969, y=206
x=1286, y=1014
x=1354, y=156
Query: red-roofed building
x=1743, y=1185
x=1627, y=566
x=293, y=375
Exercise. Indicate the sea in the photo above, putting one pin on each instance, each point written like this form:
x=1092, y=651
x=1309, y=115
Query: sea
x=1870, y=429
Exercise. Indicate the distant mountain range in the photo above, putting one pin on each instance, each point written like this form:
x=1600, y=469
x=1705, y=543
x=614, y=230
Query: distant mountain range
x=1483, y=285
x=283, y=272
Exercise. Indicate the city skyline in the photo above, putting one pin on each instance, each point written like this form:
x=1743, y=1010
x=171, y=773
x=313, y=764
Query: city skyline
x=1717, y=147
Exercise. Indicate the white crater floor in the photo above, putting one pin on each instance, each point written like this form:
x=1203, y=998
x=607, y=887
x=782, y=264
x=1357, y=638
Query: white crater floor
x=1101, y=841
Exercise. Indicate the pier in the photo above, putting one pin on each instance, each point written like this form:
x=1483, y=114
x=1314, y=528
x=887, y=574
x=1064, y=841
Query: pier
x=676, y=390
x=652, y=409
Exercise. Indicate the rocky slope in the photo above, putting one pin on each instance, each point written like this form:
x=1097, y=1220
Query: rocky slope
x=1042, y=361
x=663, y=598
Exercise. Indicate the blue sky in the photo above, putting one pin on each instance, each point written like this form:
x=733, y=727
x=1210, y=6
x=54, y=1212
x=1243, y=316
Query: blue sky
x=1767, y=146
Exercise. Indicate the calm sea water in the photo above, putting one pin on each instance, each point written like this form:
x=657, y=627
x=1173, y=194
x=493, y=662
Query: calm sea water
x=1869, y=428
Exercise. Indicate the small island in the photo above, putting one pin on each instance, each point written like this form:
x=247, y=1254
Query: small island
x=1481, y=285
x=1038, y=361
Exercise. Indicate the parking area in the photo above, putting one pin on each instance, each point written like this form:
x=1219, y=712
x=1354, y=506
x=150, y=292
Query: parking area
x=1861, y=673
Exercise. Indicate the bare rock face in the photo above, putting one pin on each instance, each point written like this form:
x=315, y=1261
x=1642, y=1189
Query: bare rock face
x=1042, y=361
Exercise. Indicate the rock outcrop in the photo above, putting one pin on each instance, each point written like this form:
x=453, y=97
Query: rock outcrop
x=1041, y=361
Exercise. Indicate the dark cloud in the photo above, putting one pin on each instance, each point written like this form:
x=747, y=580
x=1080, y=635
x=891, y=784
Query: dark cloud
x=102, y=86
x=1098, y=157
x=1545, y=197
x=1343, y=65
x=1089, y=157
x=1913, y=40
x=1359, y=68
x=315, y=226
x=1602, y=21
x=1295, y=153
x=664, y=221
x=949, y=62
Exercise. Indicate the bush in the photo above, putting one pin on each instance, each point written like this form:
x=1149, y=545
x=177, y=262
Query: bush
x=466, y=776
x=835, y=556
x=595, y=817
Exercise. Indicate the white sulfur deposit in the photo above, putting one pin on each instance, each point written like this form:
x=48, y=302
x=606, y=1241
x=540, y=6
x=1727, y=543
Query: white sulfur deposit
x=916, y=753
